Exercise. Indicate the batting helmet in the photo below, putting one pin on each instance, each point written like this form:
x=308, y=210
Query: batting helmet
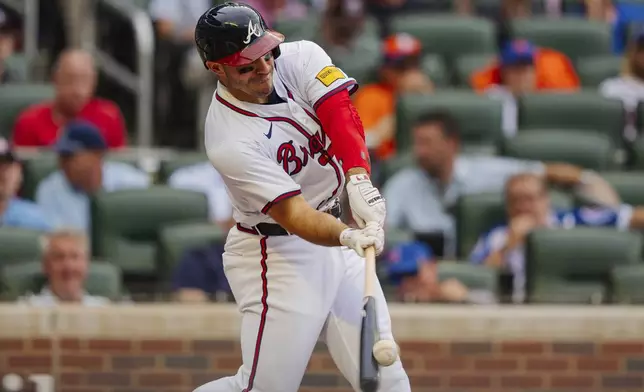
x=235, y=34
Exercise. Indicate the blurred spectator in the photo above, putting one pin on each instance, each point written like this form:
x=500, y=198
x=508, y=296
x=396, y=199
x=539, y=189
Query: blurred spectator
x=629, y=15
x=175, y=22
x=412, y=267
x=528, y=207
x=65, y=264
x=7, y=47
x=74, y=79
x=376, y=103
x=440, y=176
x=199, y=276
x=64, y=194
x=203, y=177
x=273, y=10
x=521, y=69
x=343, y=34
x=629, y=86
x=16, y=212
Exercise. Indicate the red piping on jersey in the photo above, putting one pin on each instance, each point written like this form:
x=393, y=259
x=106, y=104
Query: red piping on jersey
x=350, y=84
x=262, y=317
x=279, y=198
x=298, y=127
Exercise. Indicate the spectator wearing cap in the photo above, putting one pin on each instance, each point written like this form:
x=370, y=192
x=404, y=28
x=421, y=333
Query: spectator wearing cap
x=629, y=86
x=412, y=268
x=14, y=211
x=74, y=80
x=400, y=73
x=64, y=194
x=523, y=68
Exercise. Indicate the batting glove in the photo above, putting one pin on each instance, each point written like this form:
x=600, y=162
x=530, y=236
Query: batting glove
x=359, y=239
x=367, y=205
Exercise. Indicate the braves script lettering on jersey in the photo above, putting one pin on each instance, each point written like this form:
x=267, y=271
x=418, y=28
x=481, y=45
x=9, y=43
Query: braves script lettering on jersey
x=290, y=292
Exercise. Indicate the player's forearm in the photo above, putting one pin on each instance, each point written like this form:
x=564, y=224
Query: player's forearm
x=354, y=171
x=299, y=218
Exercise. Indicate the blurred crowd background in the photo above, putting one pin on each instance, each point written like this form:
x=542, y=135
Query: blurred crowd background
x=505, y=136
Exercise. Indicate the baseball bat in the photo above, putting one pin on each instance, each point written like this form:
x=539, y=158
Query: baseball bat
x=369, y=330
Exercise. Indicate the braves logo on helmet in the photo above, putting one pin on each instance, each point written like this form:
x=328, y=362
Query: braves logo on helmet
x=255, y=30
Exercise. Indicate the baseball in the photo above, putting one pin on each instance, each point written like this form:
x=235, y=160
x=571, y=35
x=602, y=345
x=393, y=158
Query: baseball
x=385, y=352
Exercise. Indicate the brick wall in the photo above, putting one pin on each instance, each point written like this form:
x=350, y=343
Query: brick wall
x=175, y=361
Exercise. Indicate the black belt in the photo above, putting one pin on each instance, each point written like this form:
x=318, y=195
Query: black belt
x=274, y=230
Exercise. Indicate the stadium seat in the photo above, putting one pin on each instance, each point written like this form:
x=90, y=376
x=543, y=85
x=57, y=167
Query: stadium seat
x=19, y=66
x=595, y=69
x=479, y=117
x=478, y=213
x=468, y=64
x=393, y=165
x=586, y=149
x=167, y=167
x=103, y=279
x=474, y=277
x=626, y=284
x=434, y=67
x=586, y=110
x=175, y=239
x=629, y=185
x=449, y=36
x=19, y=245
x=574, y=265
x=126, y=223
x=576, y=37
x=16, y=97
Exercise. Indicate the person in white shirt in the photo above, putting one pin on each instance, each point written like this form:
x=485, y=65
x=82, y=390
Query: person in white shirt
x=65, y=263
x=629, y=86
x=203, y=177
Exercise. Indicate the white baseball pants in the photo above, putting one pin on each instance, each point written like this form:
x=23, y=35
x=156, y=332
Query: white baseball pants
x=292, y=293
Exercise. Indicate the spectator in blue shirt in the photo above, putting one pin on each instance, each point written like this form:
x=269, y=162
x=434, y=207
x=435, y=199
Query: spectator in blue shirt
x=64, y=194
x=528, y=208
x=16, y=212
x=199, y=276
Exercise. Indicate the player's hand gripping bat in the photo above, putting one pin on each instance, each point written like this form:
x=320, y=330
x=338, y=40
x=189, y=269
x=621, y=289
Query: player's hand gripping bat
x=369, y=368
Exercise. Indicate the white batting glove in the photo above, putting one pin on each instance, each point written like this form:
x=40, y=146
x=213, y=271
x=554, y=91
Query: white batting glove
x=359, y=239
x=367, y=205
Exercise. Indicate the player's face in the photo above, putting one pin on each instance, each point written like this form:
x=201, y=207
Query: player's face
x=527, y=196
x=254, y=80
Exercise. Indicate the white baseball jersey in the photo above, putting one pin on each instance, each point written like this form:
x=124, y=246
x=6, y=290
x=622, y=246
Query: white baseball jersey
x=268, y=152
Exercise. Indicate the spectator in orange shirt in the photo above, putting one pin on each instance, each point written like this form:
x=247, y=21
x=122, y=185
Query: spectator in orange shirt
x=523, y=68
x=376, y=103
x=74, y=79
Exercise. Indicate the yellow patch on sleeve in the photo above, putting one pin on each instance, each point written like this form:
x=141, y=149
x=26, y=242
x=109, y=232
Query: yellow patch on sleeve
x=329, y=74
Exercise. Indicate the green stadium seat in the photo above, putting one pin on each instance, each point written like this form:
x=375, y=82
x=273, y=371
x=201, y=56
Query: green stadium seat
x=449, y=36
x=167, y=167
x=586, y=110
x=576, y=37
x=594, y=70
x=19, y=245
x=589, y=150
x=103, y=279
x=176, y=239
x=16, y=97
x=466, y=65
x=434, y=67
x=474, y=277
x=394, y=164
x=629, y=186
x=574, y=265
x=19, y=67
x=626, y=283
x=479, y=117
x=126, y=223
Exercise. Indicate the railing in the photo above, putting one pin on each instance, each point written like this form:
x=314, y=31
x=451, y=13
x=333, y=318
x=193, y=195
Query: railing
x=29, y=10
x=141, y=82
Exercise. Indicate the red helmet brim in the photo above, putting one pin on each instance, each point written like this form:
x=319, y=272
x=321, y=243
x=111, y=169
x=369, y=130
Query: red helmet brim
x=264, y=44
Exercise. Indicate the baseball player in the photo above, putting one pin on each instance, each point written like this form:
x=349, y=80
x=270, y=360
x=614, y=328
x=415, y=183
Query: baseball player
x=283, y=134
